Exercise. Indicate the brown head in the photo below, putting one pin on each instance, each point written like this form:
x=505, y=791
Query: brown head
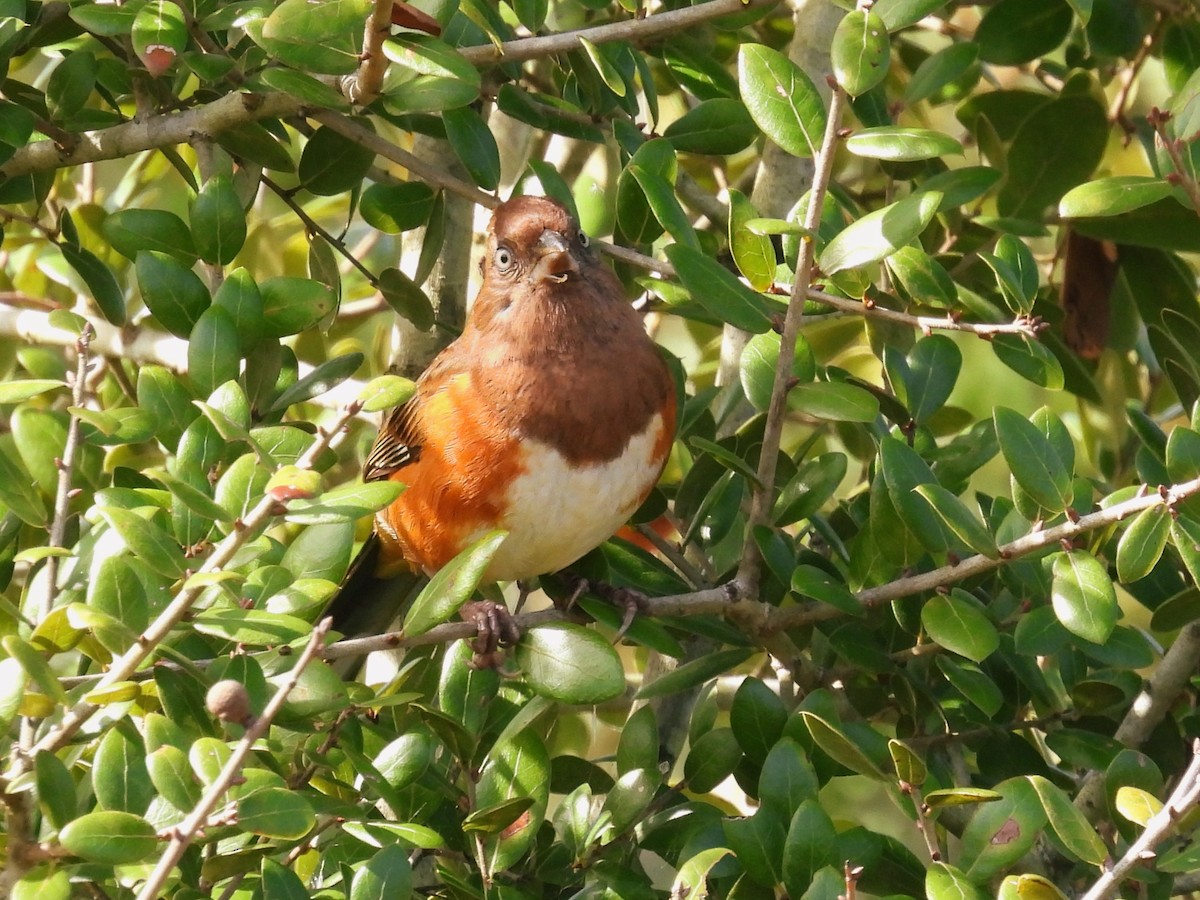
x=536, y=252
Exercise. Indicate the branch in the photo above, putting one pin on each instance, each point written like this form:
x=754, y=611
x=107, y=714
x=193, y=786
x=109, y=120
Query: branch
x=977, y=565
x=1182, y=799
x=128, y=663
x=764, y=496
x=362, y=87
x=66, y=471
x=154, y=131
x=1024, y=326
x=639, y=30
x=185, y=832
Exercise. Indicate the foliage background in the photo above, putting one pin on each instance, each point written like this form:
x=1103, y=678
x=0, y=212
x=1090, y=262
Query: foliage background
x=923, y=608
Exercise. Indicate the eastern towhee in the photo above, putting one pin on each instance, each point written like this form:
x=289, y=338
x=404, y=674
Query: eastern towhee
x=550, y=417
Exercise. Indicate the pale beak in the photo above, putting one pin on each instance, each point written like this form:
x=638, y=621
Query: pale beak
x=554, y=260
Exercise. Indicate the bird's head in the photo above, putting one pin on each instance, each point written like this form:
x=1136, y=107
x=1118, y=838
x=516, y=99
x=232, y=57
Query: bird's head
x=536, y=241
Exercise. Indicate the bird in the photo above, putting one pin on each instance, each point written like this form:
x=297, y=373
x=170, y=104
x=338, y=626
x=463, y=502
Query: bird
x=550, y=417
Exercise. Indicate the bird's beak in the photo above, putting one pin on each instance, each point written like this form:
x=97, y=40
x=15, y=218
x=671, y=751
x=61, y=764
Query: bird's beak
x=554, y=260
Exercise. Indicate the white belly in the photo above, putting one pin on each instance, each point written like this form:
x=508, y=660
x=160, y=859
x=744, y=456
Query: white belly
x=557, y=512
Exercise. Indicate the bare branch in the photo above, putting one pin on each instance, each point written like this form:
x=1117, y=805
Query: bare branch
x=185, y=832
x=363, y=86
x=637, y=30
x=154, y=131
x=764, y=495
x=1024, y=326
x=1182, y=799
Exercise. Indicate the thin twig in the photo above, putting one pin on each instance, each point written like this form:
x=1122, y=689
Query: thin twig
x=1182, y=175
x=637, y=30
x=66, y=472
x=1182, y=799
x=185, y=832
x=128, y=663
x=1024, y=326
x=764, y=495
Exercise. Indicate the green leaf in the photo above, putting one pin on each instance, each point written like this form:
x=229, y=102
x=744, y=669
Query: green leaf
x=813, y=484
x=1035, y=465
x=860, y=52
x=385, y=876
x=405, y=759
x=959, y=520
x=1057, y=147
x=660, y=195
x=781, y=99
x=1003, y=831
x=720, y=126
x=955, y=622
x=1083, y=596
x=251, y=142
x=719, y=290
x=385, y=392
x=570, y=664
x=107, y=293
x=760, y=359
x=324, y=39
x=160, y=28
x=1143, y=542
x=20, y=391
x=330, y=162
x=393, y=208
x=897, y=14
x=276, y=813
x=693, y=673
x=518, y=766
x=970, y=681
x=131, y=231
x=473, y=144
x=1017, y=31
x=1136, y=805
x=809, y=847
x=903, y=471
x=406, y=298
x=814, y=582
x=55, y=787
x=1030, y=359
x=321, y=379
x=834, y=742
x=757, y=717
x=1069, y=823
x=927, y=376
x=940, y=69
x=453, y=585
x=171, y=776
x=173, y=293
x=303, y=87
x=1112, y=196
x=834, y=401
x=290, y=305
x=429, y=75
x=218, y=223
x=213, y=350
x=901, y=144
x=711, y=759
x=252, y=627
x=879, y=234
x=753, y=253
x=119, y=775
x=945, y=882
x=921, y=278
x=70, y=85
x=111, y=838
x=349, y=502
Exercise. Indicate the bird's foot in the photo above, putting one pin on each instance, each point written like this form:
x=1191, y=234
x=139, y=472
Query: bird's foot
x=494, y=629
x=629, y=600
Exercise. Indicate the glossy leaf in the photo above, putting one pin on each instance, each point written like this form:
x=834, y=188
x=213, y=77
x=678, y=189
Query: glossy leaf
x=880, y=233
x=1083, y=596
x=1112, y=196
x=218, y=224
x=473, y=144
x=570, y=663
x=957, y=623
x=1143, y=542
x=901, y=144
x=860, y=52
x=111, y=838
x=719, y=290
x=452, y=586
x=1035, y=465
x=781, y=99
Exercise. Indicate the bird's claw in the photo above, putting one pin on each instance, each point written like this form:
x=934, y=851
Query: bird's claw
x=494, y=629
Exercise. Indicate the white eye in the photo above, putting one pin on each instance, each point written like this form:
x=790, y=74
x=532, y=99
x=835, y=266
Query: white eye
x=503, y=258
x=584, y=240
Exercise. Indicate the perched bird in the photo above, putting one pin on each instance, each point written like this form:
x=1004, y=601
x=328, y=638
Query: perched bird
x=550, y=417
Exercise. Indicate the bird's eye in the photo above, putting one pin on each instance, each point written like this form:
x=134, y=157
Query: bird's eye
x=503, y=258
x=584, y=240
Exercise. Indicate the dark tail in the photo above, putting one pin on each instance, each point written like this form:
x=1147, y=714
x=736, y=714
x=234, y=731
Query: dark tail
x=368, y=603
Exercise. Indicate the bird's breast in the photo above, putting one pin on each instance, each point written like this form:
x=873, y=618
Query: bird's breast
x=557, y=510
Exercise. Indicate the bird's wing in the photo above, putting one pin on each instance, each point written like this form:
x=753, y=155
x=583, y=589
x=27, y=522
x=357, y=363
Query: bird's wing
x=396, y=445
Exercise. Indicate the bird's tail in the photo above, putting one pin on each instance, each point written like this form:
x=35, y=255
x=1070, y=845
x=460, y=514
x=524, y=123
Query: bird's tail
x=367, y=602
